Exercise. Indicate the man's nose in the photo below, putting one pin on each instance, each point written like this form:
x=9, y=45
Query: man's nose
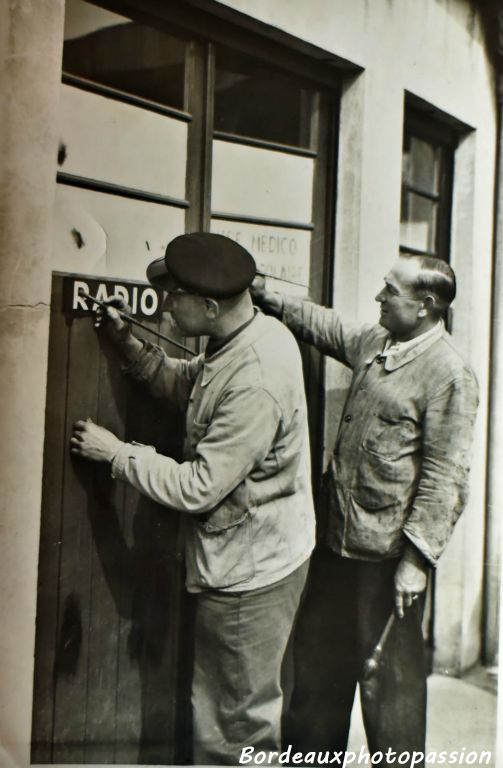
x=167, y=303
x=380, y=297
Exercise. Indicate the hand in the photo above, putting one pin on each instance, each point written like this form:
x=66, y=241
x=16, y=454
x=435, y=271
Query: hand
x=90, y=441
x=271, y=303
x=118, y=329
x=411, y=578
x=258, y=290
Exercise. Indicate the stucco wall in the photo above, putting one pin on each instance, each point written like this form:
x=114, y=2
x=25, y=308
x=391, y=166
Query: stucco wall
x=30, y=67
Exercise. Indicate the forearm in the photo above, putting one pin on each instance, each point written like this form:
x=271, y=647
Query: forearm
x=442, y=487
x=129, y=347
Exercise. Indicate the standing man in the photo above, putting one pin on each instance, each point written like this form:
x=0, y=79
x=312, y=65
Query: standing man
x=244, y=483
x=397, y=483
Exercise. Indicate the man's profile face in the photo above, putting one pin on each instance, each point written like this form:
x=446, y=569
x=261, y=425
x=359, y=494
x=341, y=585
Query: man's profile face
x=188, y=310
x=400, y=304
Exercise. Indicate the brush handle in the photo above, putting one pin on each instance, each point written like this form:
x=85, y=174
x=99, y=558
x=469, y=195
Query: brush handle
x=133, y=321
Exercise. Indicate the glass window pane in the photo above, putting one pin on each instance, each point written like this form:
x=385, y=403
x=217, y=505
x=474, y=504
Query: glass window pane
x=418, y=222
x=112, y=141
x=100, y=234
x=122, y=54
x=284, y=254
x=252, y=99
x=260, y=182
x=421, y=164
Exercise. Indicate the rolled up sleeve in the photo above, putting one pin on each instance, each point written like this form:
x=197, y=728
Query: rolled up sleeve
x=443, y=478
x=238, y=439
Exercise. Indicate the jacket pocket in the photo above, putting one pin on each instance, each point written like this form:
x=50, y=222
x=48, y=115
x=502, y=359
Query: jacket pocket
x=232, y=511
x=376, y=531
x=389, y=438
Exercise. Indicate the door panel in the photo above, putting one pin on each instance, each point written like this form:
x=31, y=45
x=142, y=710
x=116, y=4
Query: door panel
x=112, y=612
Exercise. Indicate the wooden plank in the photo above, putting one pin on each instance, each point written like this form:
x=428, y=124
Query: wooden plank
x=55, y=451
x=71, y=664
x=105, y=510
x=148, y=653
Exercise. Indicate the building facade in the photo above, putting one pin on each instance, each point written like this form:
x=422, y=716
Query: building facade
x=327, y=137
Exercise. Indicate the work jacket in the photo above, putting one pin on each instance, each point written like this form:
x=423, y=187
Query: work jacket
x=400, y=464
x=245, y=479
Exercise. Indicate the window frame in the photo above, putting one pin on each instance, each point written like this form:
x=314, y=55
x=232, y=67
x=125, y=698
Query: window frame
x=443, y=137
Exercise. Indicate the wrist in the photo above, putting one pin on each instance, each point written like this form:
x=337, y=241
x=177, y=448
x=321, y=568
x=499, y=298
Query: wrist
x=415, y=557
x=114, y=450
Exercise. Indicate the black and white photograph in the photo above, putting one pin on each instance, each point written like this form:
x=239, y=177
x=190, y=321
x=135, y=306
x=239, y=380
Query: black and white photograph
x=252, y=391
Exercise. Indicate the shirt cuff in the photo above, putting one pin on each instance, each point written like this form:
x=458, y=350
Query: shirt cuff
x=419, y=542
x=121, y=459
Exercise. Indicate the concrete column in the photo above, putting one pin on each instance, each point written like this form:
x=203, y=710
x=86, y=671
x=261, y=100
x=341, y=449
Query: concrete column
x=31, y=34
x=495, y=423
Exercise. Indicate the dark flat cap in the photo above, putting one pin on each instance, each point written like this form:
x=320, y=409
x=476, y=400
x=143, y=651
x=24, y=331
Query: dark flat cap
x=205, y=263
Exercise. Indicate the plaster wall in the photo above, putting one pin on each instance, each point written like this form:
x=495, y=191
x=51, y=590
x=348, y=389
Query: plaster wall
x=30, y=67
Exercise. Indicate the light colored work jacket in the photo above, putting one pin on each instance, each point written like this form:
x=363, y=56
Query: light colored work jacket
x=245, y=479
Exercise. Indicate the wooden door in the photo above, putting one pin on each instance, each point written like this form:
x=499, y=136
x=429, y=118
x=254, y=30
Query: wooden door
x=113, y=634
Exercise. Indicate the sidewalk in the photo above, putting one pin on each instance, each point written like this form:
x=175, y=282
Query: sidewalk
x=460, y=714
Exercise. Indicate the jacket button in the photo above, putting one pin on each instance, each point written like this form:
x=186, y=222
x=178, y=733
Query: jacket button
x=348, y=417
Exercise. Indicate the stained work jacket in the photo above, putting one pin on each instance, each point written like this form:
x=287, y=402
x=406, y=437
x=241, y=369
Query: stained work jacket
x=400, y=464
x=245, y=479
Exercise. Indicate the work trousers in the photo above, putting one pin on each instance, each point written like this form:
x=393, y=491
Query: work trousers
x=240, y=642
x=346, y=607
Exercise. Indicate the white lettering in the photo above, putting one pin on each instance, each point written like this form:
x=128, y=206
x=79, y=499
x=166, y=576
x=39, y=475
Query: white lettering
x=417, y=757
x=79, y=302
x=134, y=300
x=363, y=757
x=376, y=758
x=101, y=295
x=260, y=757
x=122, y=291
x=147, y=294
x=406, y=756
x=246, y=754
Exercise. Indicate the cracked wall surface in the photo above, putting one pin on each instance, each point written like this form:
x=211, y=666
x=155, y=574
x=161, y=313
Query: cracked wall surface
x=30, y=70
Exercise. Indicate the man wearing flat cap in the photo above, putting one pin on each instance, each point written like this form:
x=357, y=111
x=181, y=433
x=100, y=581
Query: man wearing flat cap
x=244, y=483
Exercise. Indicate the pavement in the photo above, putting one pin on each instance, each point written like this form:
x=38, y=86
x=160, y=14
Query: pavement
x=461, y=719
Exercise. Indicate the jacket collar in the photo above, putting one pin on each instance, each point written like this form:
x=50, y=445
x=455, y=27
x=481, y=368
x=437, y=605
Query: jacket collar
x=399, y=357
x=236, y=345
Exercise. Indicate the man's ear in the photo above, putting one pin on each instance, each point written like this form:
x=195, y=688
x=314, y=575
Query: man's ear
x=212, y=308
x=428, y=305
